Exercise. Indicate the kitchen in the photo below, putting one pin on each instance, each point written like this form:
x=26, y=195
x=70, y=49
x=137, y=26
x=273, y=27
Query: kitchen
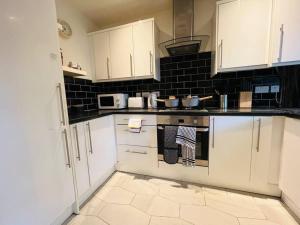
x=150, y=112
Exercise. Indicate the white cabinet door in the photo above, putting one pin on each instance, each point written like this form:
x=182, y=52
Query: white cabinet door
x=228, y=37
x=286, y=31
x=230, y=150
x=143, y=44
x=137, y=159
x=121, y=52
x=101, y=55
x=80, y=158
x=243, y=32
x=290, y=163
x=261, y=151
x=102, y=148
x=36, y=182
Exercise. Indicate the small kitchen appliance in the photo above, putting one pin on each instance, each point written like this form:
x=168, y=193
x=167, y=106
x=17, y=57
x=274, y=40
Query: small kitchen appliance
x=136, y=102
x=112, y=101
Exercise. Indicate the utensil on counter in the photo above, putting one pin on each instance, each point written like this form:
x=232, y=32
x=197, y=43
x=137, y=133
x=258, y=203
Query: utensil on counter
x=193, y=101
x=172, y=102
x=152, y=97
x=223, y=102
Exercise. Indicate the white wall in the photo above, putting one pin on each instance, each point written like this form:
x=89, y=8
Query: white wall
x=76, y=48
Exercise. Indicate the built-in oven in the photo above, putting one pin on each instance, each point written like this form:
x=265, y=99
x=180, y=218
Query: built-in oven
x=166, y=136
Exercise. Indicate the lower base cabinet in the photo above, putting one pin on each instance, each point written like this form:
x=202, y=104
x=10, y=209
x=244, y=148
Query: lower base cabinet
x=94, y=152
x=289, y=181
x=241, y=154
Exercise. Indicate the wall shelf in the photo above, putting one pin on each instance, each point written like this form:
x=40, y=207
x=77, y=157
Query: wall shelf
x=68, y=71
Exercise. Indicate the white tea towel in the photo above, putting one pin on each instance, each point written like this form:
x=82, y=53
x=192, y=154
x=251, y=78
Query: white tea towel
x=186, y=137
x=135, y=125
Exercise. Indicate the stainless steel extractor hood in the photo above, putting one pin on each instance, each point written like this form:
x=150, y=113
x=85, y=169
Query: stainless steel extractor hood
x=184, y=41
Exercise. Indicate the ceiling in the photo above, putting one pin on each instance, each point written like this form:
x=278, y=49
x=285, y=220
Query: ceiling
x=108, y=12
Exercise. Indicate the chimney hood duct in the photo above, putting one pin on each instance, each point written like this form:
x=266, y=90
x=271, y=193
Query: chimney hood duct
x=184, y=41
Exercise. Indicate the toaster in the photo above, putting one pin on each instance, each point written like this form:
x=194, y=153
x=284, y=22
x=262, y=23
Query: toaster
x=136, y=102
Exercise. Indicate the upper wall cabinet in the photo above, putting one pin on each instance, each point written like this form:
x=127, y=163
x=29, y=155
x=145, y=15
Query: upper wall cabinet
x=126, y=52
x=243, y=34
x=100, y=43
x=286, y=32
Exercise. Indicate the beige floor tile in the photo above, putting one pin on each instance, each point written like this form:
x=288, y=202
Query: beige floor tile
x=123, y=215
x=164, y=182
x=183, y=195
x=118, y=195
x=163, y=207
x=141, y=186
x=214, y=191
x=119, y=178
x=244, y=221
x=235, y=206
x=93, y=207
x=142, y=202
x=87, y=220
x=278, y=214
x=167, y=221
x=202, y=215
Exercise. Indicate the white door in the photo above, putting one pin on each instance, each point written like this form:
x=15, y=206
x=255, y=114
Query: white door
x=230, y=150
x=80, y=158
x=102, y=148
x=286, y=31
x=121, y=52
x=261, y=151
x=101, y=55
x=289, y=181
x=143, y=44
x=35, y=168
x=228, y=36
x=243, y=33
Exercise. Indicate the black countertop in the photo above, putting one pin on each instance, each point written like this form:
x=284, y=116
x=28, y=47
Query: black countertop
x=293, y=112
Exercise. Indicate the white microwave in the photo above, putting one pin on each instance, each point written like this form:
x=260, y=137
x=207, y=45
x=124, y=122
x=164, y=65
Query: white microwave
x=112, y=101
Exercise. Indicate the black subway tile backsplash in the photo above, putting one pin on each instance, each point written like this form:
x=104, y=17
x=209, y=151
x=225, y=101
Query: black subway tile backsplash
x=181, y=76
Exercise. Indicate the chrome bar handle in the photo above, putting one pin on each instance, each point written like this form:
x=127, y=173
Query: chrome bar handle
x=281, y=43
x=221, y=54
x=258, y=135
x=151, y=63
x=90, y=138
x=107, y=67
x=63, y=119
x=67, y=148
x=213, y=134
x=77, y=143
x=136, y=152
x=131, y=70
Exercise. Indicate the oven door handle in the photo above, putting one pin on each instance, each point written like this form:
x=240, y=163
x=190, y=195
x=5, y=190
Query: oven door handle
x=202, y=129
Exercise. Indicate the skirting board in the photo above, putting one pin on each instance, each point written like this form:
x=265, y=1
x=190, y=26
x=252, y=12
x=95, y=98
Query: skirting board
x=294, y=210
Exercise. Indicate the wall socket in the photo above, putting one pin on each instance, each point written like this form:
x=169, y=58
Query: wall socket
x=262, y=89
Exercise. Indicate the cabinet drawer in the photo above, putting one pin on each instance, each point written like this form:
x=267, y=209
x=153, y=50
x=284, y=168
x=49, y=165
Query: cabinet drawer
x=136, y=158
x=147, y=136
x=146, y=119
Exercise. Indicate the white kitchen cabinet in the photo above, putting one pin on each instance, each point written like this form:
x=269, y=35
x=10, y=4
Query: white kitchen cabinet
x=80, y=158
x=35, y=168
x=137, y=159
x=289, y=181
x=230, y=150
x=101, y=148
x=144, y=48
x=286, y=32
x=264, y=163
x=126, y=52
x=243, y=34
x=101, y=51
x=121, y=52
x=146, y=137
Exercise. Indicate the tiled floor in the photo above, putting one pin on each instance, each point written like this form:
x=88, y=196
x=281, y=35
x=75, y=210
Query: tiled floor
x=128, y=199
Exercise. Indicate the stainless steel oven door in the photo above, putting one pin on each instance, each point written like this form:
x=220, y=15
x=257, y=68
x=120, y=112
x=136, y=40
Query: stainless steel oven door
x=202, y=145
